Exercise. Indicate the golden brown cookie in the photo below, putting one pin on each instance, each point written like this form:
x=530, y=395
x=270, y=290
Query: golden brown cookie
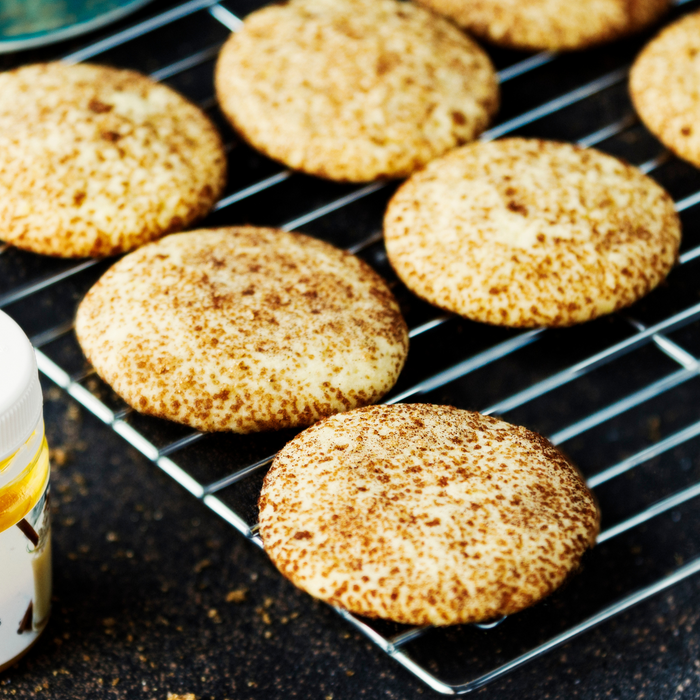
x=95, y=161
x=354, y=90
x=531, y=233
x=243, y=329
x=555, y=25
x=665, y=87
x=425, y=514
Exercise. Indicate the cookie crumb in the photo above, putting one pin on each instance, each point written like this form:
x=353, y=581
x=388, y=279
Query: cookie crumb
x=237, y=596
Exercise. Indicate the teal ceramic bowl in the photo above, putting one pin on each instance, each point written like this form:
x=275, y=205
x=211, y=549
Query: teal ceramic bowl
x=28, y=23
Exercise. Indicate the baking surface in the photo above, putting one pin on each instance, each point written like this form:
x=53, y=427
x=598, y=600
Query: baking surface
x=136, y=556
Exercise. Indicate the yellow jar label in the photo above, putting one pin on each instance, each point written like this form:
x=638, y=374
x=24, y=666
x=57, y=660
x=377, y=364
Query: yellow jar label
x=25, y=557
x=21, y=495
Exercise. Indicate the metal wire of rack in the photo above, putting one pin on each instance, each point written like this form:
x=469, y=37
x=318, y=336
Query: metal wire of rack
x=620, y=367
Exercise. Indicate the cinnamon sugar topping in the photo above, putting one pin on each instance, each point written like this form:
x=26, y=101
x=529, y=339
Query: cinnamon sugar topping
x=524, y=232
x=425, y=514
x=243, y=329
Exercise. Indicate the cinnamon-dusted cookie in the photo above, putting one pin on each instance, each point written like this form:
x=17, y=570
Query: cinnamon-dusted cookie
x=243, y=329
x=555, y=25
x=95, y=161
x=531, y=233
x=665, y=87
x=425, y=514
x=354, y=89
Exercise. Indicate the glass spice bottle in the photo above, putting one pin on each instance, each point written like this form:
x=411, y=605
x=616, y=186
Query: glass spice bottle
x=25, y=536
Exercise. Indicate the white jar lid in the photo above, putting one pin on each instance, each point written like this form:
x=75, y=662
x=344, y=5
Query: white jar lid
x=20, y=391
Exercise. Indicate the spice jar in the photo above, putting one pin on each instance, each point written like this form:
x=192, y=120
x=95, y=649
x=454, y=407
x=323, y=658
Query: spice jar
x=25, y=542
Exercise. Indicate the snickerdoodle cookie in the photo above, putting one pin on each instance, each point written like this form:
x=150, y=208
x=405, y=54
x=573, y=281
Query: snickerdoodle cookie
x=425, y=514
x=354, y=90
x=665, y=87
x=243, y=329
x=555, y=25
x=96, y=161
x=531, y=233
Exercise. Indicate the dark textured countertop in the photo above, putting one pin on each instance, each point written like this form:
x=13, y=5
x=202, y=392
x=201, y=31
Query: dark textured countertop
x=155, y=594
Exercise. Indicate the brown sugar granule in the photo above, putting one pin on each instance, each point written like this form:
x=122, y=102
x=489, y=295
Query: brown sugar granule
x=237, y=596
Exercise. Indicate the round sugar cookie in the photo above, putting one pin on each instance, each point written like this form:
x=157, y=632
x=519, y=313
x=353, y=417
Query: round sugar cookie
x=531, y=233
x=95, y=161
x=554, y=25
x=665, y=87
x=354, y=90
x=243, y=329
x=425, y=514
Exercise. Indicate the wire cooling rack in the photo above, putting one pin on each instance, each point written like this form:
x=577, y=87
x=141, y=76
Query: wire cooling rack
x=617, y=394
